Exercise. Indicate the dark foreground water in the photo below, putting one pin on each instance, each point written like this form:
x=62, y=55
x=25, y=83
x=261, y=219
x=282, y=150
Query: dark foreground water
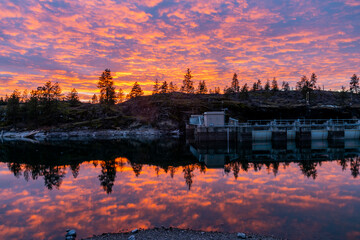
x=296, y=191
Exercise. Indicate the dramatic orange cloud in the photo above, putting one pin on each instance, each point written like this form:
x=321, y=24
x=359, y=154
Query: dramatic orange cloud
x=72, y=42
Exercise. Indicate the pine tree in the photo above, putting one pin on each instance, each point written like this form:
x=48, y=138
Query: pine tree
x=245, y=88
x=235, y=84
x=354, y=83
x=172, y=87
x=49, y=97
x=202, y=89
x=217, y=90
x=107, y=89
x=305, y=85
x=274, y=85
x=24, y=96
x=257, y=85
x=313, y=80
x=94, y=99
x=156, y=87
x=136, y=91
x=164, y=87
x=285, y=86
x=13, y=107
x=188, y=85
x=49, y=93
x=267, y=85
x=73, y=97
x=254, y=87
x=121, y=96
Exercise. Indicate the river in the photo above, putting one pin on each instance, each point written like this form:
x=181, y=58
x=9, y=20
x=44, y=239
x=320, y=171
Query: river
x=293, y=191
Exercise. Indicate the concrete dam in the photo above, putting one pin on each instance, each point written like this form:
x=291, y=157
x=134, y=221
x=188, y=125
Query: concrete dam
x=213, y=126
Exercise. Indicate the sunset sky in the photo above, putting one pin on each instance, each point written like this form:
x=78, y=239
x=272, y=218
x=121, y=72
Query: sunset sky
x=73, y=41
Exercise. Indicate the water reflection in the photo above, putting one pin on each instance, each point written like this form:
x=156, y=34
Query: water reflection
x=272, y=155
x=113, y=186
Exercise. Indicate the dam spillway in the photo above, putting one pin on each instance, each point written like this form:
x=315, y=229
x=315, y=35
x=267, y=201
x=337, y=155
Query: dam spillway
x=273, y=130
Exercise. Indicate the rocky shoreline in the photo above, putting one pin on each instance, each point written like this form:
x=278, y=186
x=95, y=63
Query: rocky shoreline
x=57, y=134
x=176, y=233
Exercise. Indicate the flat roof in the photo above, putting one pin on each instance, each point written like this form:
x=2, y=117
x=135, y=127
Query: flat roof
x=214, y=113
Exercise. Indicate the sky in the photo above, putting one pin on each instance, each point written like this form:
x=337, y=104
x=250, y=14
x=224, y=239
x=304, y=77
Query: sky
x=73, y=41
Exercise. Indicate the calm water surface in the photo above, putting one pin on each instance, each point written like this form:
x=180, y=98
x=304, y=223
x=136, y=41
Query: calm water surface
x=298, y=192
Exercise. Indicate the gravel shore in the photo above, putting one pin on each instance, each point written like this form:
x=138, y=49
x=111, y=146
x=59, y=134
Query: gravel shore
x=174, y=234
x=41, y=135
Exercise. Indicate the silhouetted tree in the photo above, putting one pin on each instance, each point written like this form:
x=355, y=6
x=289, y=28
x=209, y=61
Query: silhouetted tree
x=188, y=85
x=228, y=90
x=75, y=168
x=94, y=99
x=274, y=85
x=235, y=84
x=137, y=168
x=245, y=88
x=15, y=168
x=53, y=176
x=49, y=97
x=73, y=97
x=202, y=89
x=121, y=96
x=107, y=89
x=164, y=87
x=172, y=87
x=257, y=85
x=308, y=168
x=236, y=169
x=108, y=175
x=24, y=96
x=267, y=85
x=305, y=85
x=354, y=83
x=285, y=86
x=32, y=107
x=13, y=107
x=354, y=166
x=172, y=171
x=136, y=91
x=313, y=80
x=188, y=175
x=156, y=87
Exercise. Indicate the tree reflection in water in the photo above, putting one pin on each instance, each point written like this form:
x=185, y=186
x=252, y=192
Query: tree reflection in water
x=188, y=175
x=32, y=162
x=108, y=175
x=53, y=175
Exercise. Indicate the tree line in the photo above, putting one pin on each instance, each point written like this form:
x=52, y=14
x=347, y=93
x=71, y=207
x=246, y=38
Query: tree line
x=43, y=105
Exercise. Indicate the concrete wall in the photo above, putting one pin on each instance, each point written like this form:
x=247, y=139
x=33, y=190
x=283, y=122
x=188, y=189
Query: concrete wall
x=319, y=134
x=214, y=119
x=261, y=135
x=244, y=134
x=352, y=134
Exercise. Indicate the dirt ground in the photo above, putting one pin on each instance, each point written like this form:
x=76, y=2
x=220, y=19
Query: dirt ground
x=174, y=234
